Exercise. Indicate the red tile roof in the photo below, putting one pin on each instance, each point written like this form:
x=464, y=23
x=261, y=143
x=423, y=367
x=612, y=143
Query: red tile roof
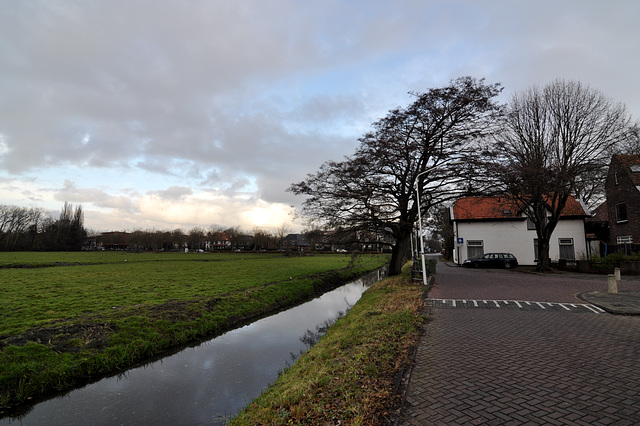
x=502, y=207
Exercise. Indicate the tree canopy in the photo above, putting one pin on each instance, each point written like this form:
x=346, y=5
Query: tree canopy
x=406, y=152
x=555, y=142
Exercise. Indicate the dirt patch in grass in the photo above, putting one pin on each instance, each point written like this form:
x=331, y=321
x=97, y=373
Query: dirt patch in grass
x=95, y=335
x=67, y=338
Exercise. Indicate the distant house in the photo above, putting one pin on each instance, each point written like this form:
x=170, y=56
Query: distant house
x=623, y=199
x=113, y=241
x=219, y=241
x=295, y=242
x=496, y=224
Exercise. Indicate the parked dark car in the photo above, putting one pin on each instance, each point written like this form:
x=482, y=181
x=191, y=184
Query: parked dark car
x=492, y=260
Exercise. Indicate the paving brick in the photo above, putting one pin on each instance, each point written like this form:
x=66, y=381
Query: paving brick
x=514, y=366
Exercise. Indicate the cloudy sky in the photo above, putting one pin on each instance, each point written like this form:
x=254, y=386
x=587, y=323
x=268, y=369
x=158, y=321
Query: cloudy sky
x=165, y=114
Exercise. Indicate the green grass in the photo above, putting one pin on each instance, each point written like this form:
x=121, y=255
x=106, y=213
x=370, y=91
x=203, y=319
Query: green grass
x=348, y=377
x=62, y=325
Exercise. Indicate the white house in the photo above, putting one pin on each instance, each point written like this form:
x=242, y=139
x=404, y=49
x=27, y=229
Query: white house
x=496, y=224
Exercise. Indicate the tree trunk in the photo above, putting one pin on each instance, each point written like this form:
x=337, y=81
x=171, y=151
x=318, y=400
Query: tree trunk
x=544, y=262
x=398, y=254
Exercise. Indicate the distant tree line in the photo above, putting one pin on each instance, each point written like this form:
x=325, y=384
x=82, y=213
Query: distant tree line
x=218, y=238
x=212, y=238
x=31, y=229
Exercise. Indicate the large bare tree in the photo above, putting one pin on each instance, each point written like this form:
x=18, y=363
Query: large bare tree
x=19, y=227
x=556, y=142
x=374, y=190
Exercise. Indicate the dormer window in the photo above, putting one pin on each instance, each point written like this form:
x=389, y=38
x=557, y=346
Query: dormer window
x=635, y=168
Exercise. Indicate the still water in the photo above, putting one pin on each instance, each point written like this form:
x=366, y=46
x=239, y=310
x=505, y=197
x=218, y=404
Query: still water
x=203, y=384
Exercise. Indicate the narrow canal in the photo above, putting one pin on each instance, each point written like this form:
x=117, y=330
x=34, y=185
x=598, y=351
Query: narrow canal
x=204, y=384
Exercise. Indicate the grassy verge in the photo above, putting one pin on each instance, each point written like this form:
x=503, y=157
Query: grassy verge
x=62, y=326
x=348, y=377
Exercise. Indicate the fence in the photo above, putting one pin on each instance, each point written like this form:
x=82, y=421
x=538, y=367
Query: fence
x=628, y=249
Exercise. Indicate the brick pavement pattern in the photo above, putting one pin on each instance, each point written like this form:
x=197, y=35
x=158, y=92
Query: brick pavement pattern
x=510, y=366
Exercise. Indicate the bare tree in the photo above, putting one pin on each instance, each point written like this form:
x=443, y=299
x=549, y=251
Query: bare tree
x=375, y=189
x=234, y=234
x=281, y=232
x=178, y=238
x=260, y=239
x=315, y=237
x=196, y=239
x=19, y=227
x=66, y=233
x=631, y=146
x=556, y=142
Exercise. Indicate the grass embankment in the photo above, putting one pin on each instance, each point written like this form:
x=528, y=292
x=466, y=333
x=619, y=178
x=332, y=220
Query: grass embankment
x=101, y=312
x=348, y=376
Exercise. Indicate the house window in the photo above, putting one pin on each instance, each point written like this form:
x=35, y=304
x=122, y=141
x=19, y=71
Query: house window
x=615, y=177
x=621, y=212
x=475, y=248
x=535, y=249
x=566, y=249
x=624, y=239
x=530, y=225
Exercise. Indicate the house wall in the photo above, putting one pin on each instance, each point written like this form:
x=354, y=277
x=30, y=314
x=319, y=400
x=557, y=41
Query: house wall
x=622, y=190
x=513, y=237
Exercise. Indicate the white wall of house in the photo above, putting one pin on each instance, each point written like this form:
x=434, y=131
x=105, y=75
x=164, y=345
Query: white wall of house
x=514, y=237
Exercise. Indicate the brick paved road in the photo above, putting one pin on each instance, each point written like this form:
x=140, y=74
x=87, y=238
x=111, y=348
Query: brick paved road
x=523, y=366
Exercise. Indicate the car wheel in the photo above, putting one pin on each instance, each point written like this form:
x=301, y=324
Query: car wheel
x=476, y=265
x=507, y=265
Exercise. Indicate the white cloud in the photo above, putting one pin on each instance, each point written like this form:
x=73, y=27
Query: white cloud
x=163, y=114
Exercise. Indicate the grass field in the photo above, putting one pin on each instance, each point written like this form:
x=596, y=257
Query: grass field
x=69, y=317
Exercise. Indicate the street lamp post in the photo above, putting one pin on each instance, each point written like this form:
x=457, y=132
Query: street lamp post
x=424, y=269
x=421, y=236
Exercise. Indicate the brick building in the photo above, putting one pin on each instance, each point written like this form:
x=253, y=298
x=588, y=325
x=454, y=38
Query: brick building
x=113, y=241
x=623, y=199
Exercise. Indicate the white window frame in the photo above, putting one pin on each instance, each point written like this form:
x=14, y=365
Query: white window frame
x=567, y=242
x=624, y=239
x=473, y=246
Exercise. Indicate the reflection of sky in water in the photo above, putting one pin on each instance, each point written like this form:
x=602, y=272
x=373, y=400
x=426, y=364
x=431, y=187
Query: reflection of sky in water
x=202, y=383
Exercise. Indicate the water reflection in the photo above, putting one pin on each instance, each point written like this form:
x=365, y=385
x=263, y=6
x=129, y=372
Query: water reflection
x=203, y=384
